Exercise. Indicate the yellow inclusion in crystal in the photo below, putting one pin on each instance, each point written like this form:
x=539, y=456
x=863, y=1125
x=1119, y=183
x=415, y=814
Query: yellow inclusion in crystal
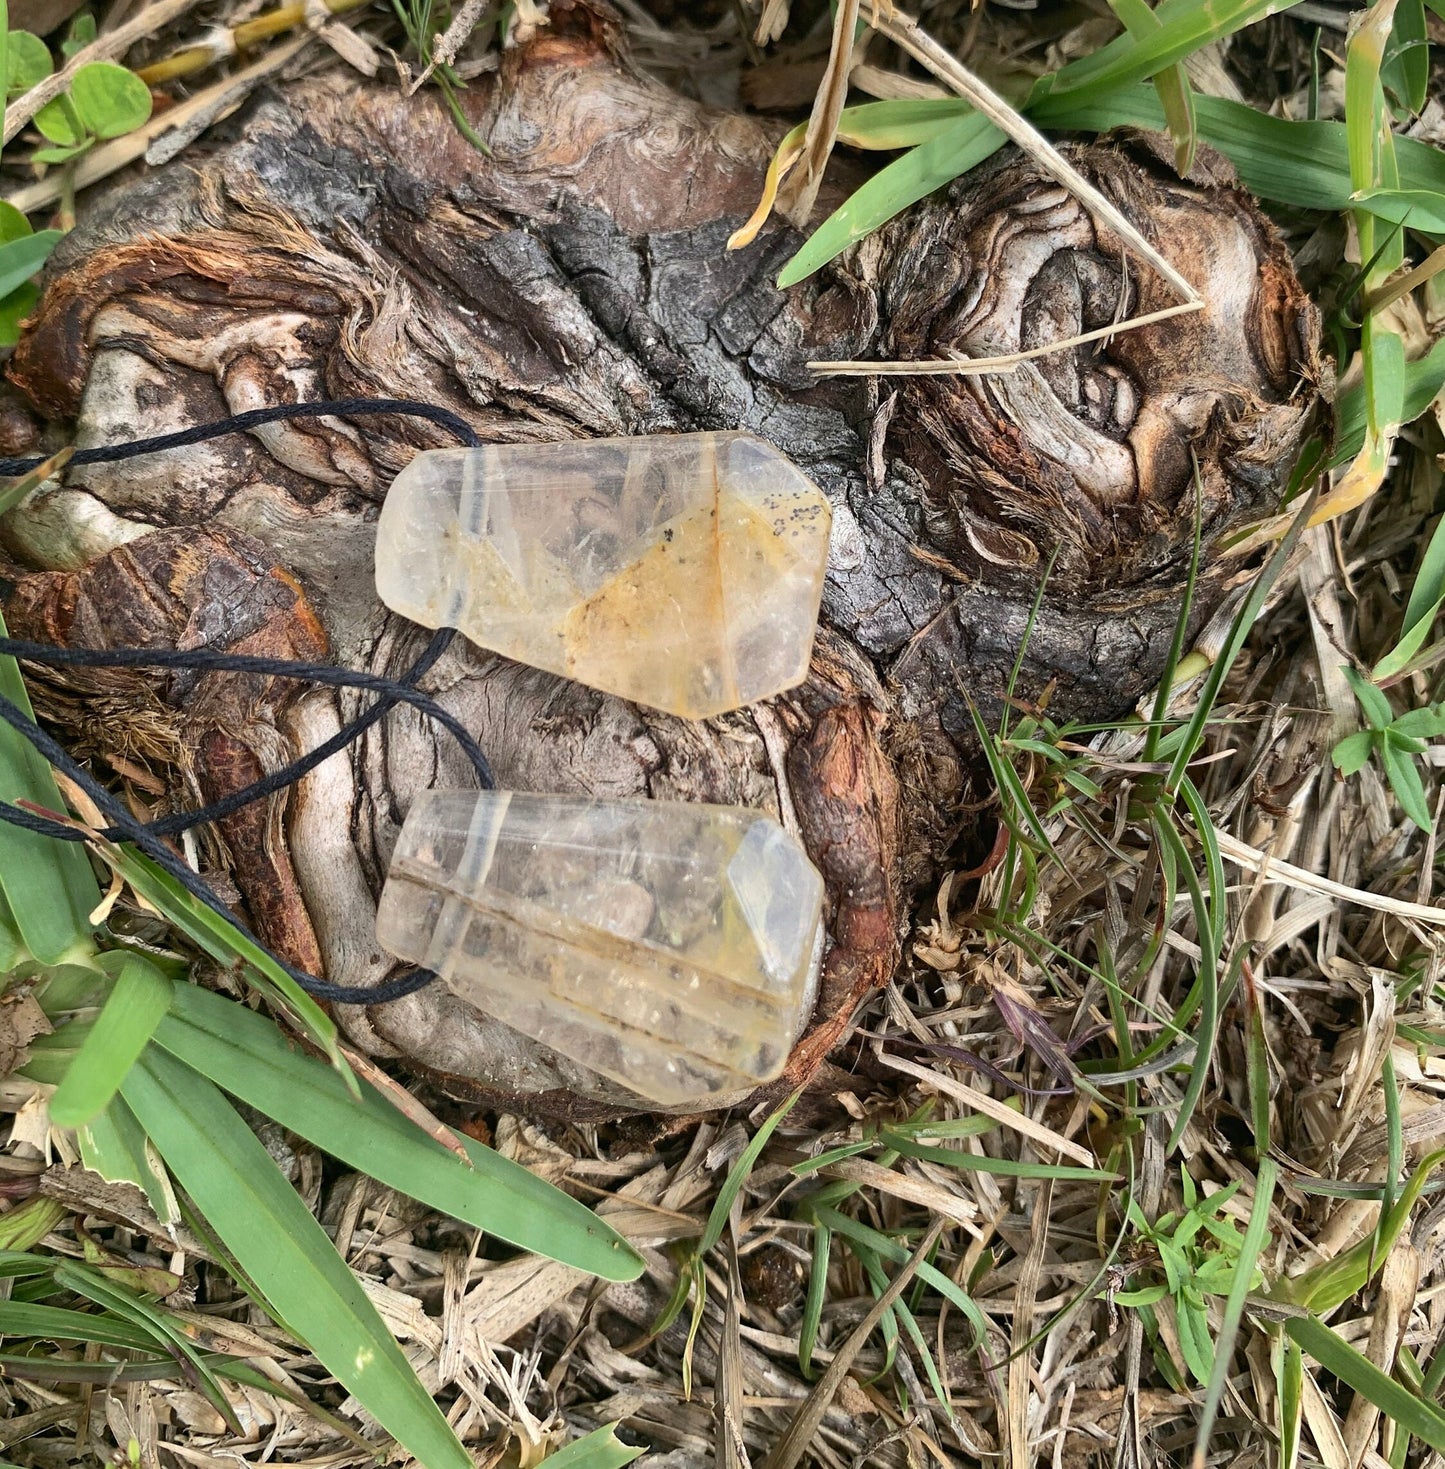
x=682, y=571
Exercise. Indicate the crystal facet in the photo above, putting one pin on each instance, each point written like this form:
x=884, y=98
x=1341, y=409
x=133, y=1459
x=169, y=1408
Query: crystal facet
x=671, y=947
x=682, y=571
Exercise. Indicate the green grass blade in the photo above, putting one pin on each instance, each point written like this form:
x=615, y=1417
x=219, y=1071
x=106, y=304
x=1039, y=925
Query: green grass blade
x=235, y=1184
x=1407, y=61
x=1425, y=376
x=28, y=1223
x=1207, y=922
x=902, y=123
x=1355, y=1370
x=163, y=1332
x=1303, y=164
x=1290, y=1375
x=1005, y=1167
x=246, y=1055
x=958, y=148
x=58, y=1324
x=225, y=943
x=1176, y=96
x=115, y=1146
x=860, y=1236
x=813, y=1301
x=738, y=1176
x=18, y=1264
x=1183, y=26
x=140, y=997
x=1255, y=1235
x=48, y=884
x=1239, y=630
x=1332, y=1282
x=1426, y=597
x=600, y=1449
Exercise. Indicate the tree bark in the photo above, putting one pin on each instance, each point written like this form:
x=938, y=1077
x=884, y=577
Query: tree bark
x=346, y=241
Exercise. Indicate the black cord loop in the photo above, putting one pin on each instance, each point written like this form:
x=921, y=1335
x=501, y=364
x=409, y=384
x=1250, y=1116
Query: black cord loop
x=149, y=837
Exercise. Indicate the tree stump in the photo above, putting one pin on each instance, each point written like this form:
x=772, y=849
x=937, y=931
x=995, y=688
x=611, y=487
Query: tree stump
x=343, y=240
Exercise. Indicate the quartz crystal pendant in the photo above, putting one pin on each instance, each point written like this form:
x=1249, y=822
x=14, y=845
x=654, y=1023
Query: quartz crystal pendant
x=671, y=947
x=681, y=571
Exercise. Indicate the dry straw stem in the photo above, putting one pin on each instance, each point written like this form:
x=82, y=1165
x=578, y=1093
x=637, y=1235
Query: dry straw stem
x=802, y=187
x=100, y=162
x=1004, y=362
x=1036, y=1132
x=789, y=1449
x=1297, y=877
x=104, y=48
x=906, y=33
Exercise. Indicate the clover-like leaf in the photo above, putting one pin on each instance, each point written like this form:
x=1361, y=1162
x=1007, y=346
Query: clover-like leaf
x=1352, y=752
x=1409, y=789
x=14, y=308
x=59, y=122
x=1372, y=701
x=13, y=224
x=27, y=62
x=110, y=100
x=1426, y=724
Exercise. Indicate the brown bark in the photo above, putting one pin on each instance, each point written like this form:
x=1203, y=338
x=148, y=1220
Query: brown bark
x=349, y=242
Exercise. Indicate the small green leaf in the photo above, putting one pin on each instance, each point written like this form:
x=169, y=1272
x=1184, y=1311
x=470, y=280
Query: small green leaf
x=27, y=62
x=1404, y=777
x=62, y=155
x=14, y=308
x=110, y=100
x=82, y=34
x=59, y=121
x=20, y=259
x=13, y=224
x=140, y=998
x=1144, y=1296
x=1352, y=752
x=1426, y=724
x=1372, y=701
x=1407, y=744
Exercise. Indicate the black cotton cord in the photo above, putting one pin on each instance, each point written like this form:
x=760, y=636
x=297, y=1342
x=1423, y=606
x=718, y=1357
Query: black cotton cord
x=258, y=418
x=148, y=837
x=205, y=660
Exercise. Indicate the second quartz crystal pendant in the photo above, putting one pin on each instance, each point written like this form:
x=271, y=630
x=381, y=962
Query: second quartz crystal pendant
x=681, y=571
x=671, y=947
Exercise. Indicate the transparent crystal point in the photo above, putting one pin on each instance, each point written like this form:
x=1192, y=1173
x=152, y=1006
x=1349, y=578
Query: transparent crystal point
x=681, y=571
x=671, y=947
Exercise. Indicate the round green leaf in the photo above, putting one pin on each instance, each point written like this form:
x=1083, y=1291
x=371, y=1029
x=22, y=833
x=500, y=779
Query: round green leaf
x=110, y=100
x=21, y=259
x=14, y=308
x=27, y=61
x=13, y=224
x=57, y=121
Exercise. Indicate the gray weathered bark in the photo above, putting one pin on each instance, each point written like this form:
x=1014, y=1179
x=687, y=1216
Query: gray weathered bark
x=349, y=242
